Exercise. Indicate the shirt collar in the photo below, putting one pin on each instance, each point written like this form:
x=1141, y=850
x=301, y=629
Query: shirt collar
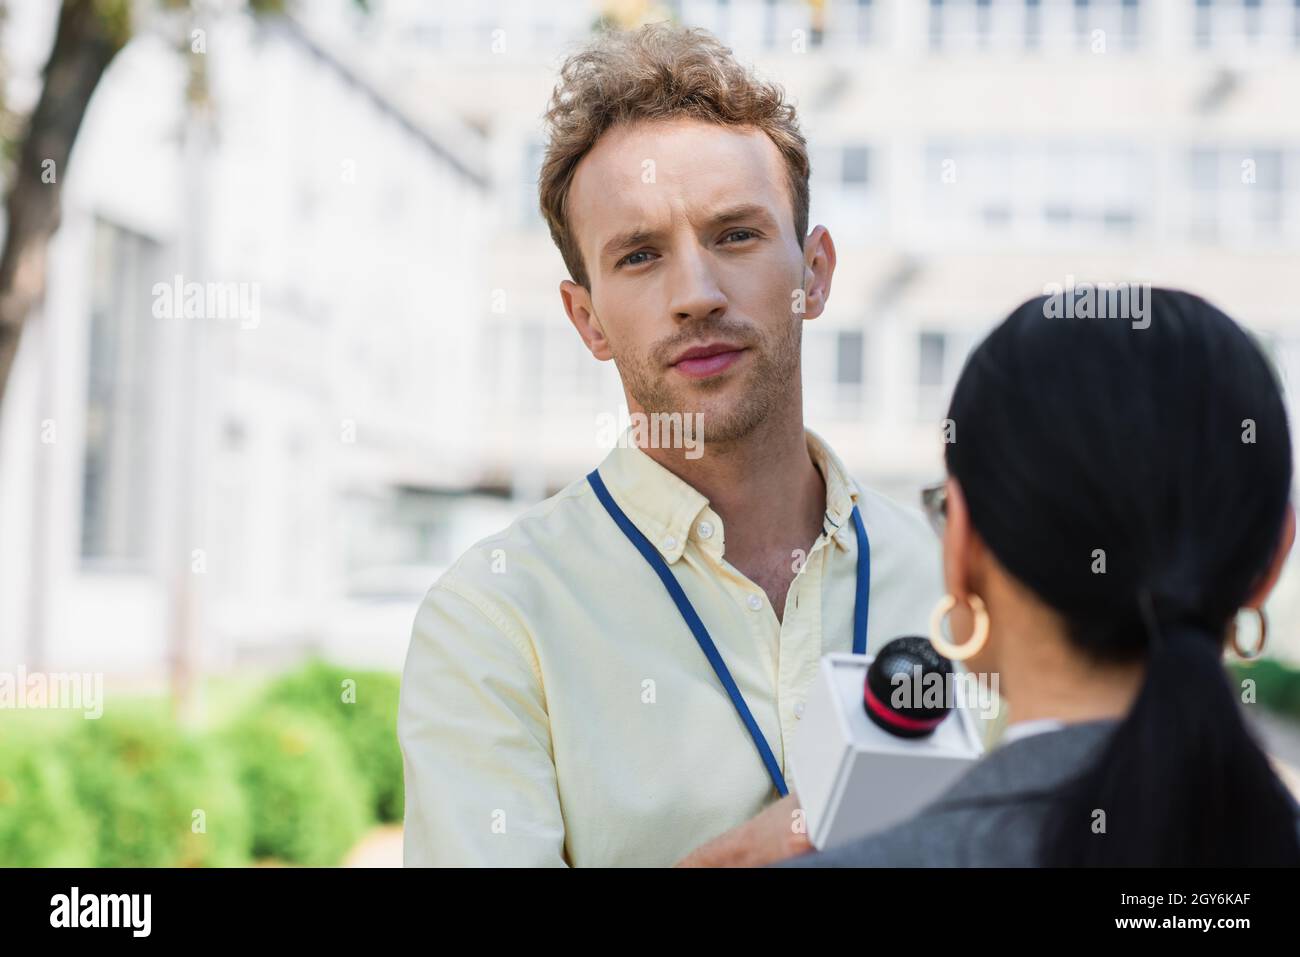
x=842, y=493
x=669, y=511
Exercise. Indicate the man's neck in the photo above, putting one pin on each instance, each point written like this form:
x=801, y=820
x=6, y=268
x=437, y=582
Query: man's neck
x=767, y=491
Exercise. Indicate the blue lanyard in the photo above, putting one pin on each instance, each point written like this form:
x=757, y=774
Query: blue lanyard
x=687, y=610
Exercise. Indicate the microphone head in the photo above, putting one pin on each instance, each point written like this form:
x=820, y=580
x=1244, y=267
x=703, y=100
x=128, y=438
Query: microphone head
x=899, y=694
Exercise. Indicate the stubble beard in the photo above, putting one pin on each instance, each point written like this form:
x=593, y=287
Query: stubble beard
x=770, y=380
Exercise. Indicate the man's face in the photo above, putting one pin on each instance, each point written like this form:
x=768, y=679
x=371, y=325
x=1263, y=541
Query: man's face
x=698, y=284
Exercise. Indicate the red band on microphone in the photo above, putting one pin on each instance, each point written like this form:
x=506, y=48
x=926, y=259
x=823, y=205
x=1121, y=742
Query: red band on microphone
x=897, y=720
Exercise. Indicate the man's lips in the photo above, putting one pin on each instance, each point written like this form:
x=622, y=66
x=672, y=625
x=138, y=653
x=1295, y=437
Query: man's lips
x=702, y=361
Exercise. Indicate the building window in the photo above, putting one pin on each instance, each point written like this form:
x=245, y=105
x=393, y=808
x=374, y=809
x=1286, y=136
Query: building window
x=712, y=15
x=930, y=367
x=530, y=213
x=854, y=170
x=395, y=540
x=931, y=379
x=117, y=486
x=835, y=374
x=850, y=23
x=1058, y=25
x=1033, y=24
x=1029, y=192
x=848, y=359
x=1243, y=195
x=769, y=24
x=844, y=193
x=1224, y=25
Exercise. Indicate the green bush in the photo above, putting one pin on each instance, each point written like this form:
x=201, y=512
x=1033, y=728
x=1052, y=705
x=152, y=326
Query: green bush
x=159, y=798
x=297, y=777
x=309, y=803
x=41, y=823
x=362, y=707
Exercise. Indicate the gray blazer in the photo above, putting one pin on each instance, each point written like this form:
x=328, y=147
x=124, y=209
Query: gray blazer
x=990, y=817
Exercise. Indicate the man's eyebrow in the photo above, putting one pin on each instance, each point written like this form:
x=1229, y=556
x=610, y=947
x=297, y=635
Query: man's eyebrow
x=743, y=211
x=626, y=240
x=636, y=237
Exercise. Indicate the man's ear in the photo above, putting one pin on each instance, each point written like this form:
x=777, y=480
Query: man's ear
x=818, y=268
x=577, y=306
x=1260, y=593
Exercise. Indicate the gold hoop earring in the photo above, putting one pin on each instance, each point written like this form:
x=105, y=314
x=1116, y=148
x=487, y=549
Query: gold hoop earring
x=1263, y=637
x=981, y=634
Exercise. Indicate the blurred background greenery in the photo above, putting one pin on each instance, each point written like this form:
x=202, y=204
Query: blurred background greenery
x=295, y=771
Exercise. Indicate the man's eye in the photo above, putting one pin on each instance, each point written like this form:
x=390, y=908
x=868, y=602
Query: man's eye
x=631, y=260
x=742, y=233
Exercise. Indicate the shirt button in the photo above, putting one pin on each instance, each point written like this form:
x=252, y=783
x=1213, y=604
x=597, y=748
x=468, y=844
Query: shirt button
x=755, y=602
x=798, y=709
x=670, y=543
x=705, y=529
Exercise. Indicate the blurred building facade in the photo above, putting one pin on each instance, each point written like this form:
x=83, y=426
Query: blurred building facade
x=266, y=472
x=238, y=488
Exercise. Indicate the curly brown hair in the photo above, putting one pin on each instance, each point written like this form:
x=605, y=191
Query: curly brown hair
x=657, y=71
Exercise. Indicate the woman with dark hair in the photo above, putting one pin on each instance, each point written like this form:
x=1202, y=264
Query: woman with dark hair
x=1116, y=496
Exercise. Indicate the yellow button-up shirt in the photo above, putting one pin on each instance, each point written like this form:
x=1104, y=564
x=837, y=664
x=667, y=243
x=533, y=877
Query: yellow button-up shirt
x=556, y=709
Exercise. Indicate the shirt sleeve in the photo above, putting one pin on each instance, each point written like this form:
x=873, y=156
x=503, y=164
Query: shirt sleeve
x=475, y=739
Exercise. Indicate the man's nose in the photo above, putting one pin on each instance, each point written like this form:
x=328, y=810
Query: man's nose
x=696, y=294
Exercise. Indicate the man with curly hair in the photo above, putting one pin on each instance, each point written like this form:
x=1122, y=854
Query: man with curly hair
x=616, y=678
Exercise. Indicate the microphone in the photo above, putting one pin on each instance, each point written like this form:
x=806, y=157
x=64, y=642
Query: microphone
x=880, y=738
x=906, y=660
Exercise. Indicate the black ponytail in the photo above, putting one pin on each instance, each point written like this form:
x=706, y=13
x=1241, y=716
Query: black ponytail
x=1181, y=783
x=1161, y=456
